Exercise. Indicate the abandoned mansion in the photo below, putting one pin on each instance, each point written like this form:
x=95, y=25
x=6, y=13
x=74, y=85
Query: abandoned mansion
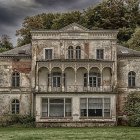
x=69, y=77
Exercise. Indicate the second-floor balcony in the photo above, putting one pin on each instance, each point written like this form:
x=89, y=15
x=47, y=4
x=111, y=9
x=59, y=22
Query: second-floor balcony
x=74, y=88
x=74, y=77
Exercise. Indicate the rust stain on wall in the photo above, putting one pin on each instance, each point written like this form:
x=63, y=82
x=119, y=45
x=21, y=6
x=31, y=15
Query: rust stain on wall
x=86, y=50
x=23, y=67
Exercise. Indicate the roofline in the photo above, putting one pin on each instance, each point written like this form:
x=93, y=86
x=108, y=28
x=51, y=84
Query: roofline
x=58, y=31
x=14, y=56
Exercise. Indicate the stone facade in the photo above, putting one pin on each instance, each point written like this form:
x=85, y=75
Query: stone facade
x=66, y=86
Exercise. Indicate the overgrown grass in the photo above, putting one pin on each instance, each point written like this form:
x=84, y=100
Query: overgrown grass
x=112, y=133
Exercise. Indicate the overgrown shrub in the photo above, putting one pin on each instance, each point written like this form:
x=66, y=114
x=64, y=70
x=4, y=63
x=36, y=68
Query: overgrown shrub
x=24, y=120
x=132, y=109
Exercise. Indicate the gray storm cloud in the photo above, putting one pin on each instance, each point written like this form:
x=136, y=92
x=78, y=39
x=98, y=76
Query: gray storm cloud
x=12, y=12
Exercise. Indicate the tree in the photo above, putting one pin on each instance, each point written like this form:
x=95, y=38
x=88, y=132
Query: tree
x=134, y=41
x=41, y=21
x=5, y=43
x=123, y=15
x=132, y=109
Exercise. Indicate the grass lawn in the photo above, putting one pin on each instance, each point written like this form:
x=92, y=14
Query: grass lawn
x=112, y=133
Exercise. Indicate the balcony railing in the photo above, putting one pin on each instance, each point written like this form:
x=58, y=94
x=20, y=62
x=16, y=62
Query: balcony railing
x=73, y=88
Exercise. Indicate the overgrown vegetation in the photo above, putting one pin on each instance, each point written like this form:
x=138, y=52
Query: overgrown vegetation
x=123, y=15
x=132, y=109
x=17, y=120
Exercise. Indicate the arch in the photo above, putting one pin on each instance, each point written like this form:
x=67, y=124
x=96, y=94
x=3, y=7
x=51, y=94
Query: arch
x=56, y=78
x=43, y=78
x=94, y=70
x=56, y=69
x=15, y=106
x=78, y=52
x=70, y=75
x=107, y=76
x=131, y=79
x=70, y=52
x=15, y=79
x=94, y=77
x=81, y=77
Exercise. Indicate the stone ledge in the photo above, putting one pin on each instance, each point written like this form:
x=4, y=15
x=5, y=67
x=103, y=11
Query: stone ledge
x=75, y=124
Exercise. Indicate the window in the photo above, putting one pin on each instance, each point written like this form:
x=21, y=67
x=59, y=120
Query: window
x=56, y=107
x=15, y=79
x=70, y=52
x=48, y=54
x=56, y=79
x=131, y=79
x=100, y=54
x=78, y=52
x=44, y=107
x=95, y=107
x=85, y=80
x=94, y=79
x=15, y=106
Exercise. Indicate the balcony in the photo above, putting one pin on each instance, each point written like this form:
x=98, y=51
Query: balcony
x=74, y=88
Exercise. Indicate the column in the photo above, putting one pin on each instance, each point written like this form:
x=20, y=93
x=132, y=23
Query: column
x=63, y=81
x=50, y=81
x=37, y=78
x=75, y=81
x=88, y=86
x=101, y=80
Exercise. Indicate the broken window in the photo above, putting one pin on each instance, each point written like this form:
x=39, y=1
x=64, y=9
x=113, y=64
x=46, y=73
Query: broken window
x=95, y=107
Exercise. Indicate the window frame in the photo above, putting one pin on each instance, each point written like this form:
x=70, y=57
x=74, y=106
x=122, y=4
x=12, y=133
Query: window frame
x=70, y=52
x=78, y=52
x=45, y=53
x=131, y=79
x=98, y=54
x=64, y=109
x=104, y=110
x=15, y=103
x=15, y=80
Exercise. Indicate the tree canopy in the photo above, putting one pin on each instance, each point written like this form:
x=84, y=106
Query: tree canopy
x=5, y=43
x=123, y=15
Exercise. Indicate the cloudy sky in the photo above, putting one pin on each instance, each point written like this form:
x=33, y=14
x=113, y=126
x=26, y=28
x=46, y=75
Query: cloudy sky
x=12, y=12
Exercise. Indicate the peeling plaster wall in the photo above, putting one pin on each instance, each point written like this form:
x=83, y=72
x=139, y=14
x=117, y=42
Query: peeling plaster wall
x=7, y=92
x=75, y=106
x=88, y=48
x=6, y=99
x=125, y=65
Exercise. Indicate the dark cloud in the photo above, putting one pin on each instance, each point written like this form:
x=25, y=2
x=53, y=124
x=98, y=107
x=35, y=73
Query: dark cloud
x=67, y=4
x=13, y=12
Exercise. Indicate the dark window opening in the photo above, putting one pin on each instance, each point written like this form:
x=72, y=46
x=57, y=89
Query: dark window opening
x=15, y=79
x=100, y=54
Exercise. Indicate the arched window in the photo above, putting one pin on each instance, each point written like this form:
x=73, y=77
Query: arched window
x=131, y=79
x=78, y=52
x=15, y=79
x=70, y=52
x=15, y=106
